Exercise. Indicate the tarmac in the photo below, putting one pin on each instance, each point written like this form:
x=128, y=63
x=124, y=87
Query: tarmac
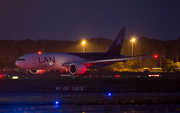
x=101, y=102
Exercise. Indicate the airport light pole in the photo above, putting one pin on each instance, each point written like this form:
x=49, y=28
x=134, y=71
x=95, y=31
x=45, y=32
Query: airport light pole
x=132, y=40
x=83, y=42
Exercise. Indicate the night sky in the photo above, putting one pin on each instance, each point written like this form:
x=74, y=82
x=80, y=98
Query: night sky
x=78, y=19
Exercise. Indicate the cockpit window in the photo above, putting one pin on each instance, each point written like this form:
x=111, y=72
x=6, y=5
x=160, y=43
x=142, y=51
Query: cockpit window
x=21, y=59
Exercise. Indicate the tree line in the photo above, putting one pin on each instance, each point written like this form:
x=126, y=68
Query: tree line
x=11, y=50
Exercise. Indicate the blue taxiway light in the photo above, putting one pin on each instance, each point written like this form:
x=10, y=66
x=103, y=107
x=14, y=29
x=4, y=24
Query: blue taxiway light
x=109, y=94
x=57, y=102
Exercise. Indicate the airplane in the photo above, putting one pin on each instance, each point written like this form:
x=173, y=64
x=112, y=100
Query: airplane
x=75, y=63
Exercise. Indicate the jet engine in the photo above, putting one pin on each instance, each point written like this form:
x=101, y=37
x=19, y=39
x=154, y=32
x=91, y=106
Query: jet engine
x=37, y=71
x=76, y=68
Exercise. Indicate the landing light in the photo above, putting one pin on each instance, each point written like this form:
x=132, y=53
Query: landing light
x=109, y=94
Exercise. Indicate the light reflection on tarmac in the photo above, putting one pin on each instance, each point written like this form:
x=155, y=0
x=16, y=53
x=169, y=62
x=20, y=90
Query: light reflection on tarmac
x=137, y=108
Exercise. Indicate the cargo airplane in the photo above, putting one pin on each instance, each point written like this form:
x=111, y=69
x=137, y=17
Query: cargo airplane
x=75, y=63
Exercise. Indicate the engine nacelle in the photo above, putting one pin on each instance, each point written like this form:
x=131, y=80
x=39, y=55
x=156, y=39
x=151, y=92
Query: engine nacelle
x=37, y=71
x=76, y=68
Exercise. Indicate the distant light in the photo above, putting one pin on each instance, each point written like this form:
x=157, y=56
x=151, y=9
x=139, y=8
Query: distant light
x=83, y=42
x=157, y=68
x=57, y=102
x=39, y=52
x=117, y=76
x=155, y=56
x=153, y=75
x=133, y=40
x=15, y=77
x=145, y=68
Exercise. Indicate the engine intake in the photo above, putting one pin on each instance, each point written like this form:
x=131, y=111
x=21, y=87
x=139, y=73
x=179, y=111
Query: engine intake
x=76, y=68
x=37, y=71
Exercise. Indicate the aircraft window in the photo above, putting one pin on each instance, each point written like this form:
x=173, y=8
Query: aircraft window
x=22, y=59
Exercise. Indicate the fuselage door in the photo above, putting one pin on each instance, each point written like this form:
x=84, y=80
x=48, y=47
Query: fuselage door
x=34, y=60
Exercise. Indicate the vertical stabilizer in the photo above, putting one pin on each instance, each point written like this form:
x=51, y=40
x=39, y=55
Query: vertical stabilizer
x=116, y=46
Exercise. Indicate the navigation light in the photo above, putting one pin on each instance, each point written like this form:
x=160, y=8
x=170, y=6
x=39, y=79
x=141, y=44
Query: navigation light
x=39, y=52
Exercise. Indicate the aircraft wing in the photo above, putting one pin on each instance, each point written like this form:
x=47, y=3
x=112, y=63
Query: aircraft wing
x=115, y=60
x=107, y=60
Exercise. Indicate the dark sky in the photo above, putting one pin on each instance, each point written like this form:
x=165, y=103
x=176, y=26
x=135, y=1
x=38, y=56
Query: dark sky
x=78, y=19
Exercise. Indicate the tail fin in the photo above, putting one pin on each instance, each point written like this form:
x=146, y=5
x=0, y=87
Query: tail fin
x=117, y=44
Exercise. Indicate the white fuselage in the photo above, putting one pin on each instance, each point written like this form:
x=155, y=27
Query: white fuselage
x=47, y=61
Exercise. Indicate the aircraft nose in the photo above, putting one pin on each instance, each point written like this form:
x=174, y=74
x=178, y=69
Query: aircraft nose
x=19, y=64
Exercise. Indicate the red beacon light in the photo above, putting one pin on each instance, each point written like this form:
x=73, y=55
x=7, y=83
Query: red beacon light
x=155, y=56
x=39, y=52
